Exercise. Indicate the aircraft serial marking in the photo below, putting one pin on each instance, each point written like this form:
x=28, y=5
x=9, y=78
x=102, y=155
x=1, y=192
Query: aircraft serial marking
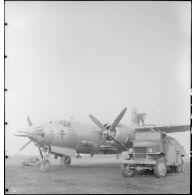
x=62, y=134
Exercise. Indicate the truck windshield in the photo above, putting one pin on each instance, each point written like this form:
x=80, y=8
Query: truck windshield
x=148, y=135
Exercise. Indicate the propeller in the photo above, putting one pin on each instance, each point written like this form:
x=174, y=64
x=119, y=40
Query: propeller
x=31, y=134
x=103, y=130
x=106, y=133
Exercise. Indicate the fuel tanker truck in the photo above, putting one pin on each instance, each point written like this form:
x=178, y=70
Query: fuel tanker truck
x=153, y=149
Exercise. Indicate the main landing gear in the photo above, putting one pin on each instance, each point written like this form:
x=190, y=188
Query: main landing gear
x=65, y=161
x=45, y=164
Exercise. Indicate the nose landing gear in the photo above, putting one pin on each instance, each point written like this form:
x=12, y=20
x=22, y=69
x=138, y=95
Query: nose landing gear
x=45, y=164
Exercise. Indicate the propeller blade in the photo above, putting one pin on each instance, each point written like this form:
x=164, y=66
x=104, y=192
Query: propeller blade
x=97, y=147
x=36, y=133
x=20, y=135
x=118, y=118
x=97, y=122
x=24, y=146
x=40, y=152
x=95, y=150
x=92, y=154
x=122, y=145
x=22, y=131
x=29, y=121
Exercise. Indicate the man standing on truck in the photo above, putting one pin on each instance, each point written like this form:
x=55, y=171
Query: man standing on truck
x=137, y=119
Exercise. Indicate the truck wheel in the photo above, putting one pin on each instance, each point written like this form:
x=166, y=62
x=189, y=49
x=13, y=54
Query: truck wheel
x=45, y=165
x=127, y=171
x=160, y=169
x=179, y=168
x=172, y=169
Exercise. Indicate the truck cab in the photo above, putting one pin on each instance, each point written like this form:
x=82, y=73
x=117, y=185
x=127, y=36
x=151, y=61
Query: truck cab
x=147, y=143
x=153, y=150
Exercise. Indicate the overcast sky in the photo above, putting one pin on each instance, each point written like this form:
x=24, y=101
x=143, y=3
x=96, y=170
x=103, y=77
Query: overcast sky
x=75, y=58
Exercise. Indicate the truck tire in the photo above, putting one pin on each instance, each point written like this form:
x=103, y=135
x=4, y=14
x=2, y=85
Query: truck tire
x=172, y=169
x=45, y=165
x=179, y=168
x=126, y=171
x=182, y=165
x=160, y=169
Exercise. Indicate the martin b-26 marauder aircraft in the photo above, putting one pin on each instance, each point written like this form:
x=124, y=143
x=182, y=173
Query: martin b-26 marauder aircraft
x=65, y=139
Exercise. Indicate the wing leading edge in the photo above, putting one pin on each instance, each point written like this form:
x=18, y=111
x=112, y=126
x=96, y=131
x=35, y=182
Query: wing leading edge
x=167, y=129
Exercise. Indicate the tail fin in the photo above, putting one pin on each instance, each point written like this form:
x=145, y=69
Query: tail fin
x=29, y=122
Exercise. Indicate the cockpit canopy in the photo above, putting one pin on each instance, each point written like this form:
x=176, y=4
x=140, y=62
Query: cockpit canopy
x=64, y=123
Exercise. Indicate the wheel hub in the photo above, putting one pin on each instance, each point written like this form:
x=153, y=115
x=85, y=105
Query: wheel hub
x=129, y=170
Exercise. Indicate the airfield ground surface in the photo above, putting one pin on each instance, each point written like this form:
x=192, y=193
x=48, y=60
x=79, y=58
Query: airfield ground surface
x=100, y=174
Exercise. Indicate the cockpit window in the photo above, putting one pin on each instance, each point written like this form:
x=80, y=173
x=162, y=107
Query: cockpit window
x=65, y=123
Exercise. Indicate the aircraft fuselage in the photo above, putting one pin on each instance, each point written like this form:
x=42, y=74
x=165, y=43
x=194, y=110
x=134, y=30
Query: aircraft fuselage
x=75, y=135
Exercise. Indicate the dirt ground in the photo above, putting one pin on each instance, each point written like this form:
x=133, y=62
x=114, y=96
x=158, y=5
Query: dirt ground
x=100, y=174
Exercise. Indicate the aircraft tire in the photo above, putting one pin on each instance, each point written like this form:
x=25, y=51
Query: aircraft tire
x=160, y=169
x=65, y=161
x=45, y=165
x=126, y=171
x=68, y=160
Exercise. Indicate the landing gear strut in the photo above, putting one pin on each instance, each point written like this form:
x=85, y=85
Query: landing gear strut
x=45, y=164
x=65, y=161
x=78, y=155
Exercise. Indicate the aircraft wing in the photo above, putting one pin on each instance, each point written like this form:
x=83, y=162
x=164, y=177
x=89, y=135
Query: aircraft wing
x=167, y=129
